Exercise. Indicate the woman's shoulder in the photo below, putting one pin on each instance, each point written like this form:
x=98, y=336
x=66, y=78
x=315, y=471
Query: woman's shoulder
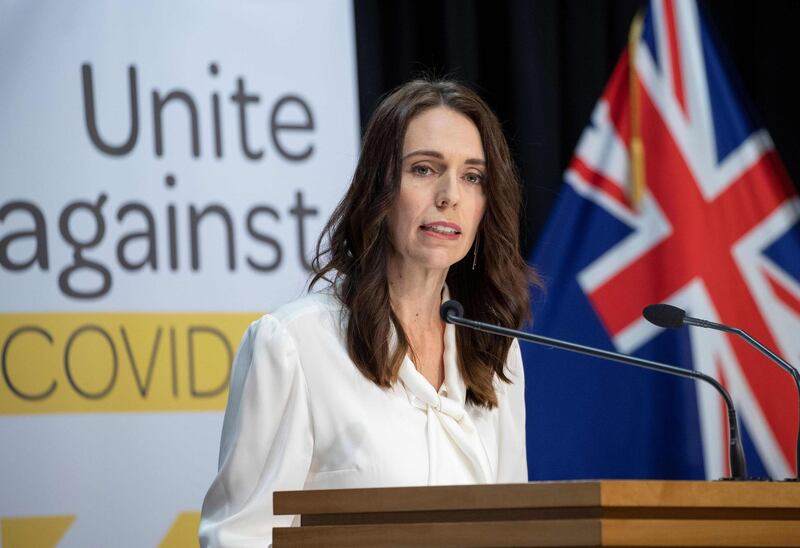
x=304, y=333
x=318, y=308
x=280, y=336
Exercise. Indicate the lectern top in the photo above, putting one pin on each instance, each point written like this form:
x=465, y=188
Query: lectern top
x=573, y=494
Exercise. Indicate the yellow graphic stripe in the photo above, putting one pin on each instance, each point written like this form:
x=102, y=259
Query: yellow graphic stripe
x=42, y=532
x=112, y=362
x=183, y=532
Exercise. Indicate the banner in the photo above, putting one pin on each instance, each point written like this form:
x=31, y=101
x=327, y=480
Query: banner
x=675, y=194
x=165, y=170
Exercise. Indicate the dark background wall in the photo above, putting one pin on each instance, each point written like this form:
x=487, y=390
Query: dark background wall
x=542, y=65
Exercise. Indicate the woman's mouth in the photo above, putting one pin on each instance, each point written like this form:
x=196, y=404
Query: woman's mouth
x=448, y=231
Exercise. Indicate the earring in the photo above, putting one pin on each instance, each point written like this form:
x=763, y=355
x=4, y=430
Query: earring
x=475, y=250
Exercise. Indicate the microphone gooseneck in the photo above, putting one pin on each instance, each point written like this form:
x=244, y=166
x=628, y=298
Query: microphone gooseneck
x=656, y=314
x=452, y=312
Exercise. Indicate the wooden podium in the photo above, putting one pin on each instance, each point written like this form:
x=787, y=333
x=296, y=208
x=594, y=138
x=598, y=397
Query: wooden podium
x=583, y=513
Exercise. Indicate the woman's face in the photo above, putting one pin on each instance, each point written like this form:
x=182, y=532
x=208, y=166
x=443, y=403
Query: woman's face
x=436, y=214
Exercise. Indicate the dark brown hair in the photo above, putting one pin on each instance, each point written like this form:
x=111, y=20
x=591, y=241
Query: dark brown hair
x=354, y=247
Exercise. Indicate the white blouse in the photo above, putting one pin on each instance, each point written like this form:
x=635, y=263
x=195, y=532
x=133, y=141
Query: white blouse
x=300, y=415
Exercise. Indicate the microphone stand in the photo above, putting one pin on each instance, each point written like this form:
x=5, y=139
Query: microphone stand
x=452, y=312
x=783, y=364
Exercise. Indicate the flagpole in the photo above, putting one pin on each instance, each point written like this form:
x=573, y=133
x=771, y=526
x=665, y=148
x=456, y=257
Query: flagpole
x=636, y=147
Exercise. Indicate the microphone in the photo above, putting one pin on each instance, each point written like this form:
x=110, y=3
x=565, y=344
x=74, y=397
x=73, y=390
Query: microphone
x=664, y=315
x=452, y=312
x=670, y=317
x=451, y=307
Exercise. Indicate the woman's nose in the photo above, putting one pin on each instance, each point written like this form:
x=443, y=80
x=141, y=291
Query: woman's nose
x=447, y=190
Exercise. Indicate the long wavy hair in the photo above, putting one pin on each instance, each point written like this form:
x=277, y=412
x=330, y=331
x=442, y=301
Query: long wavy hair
x=354, y=247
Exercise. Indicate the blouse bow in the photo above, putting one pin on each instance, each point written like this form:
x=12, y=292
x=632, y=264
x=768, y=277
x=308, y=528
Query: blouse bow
x=446, y=413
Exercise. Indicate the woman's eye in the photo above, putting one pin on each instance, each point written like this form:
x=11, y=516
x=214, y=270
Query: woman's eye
x=474, y=178
x=421, y=170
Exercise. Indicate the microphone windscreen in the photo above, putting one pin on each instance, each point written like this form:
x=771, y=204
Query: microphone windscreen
x=664, y=315
x=451, y=307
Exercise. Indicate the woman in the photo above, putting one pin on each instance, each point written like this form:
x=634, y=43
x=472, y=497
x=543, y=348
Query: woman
x=362, y=385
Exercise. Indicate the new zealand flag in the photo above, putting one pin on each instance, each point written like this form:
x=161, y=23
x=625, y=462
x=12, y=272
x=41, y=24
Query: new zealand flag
x=715, y=231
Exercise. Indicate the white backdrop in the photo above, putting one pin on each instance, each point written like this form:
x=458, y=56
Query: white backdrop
x=136, y=243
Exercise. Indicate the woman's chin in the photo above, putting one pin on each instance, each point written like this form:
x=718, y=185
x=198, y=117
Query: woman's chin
x=427, y=258
x=438, y=261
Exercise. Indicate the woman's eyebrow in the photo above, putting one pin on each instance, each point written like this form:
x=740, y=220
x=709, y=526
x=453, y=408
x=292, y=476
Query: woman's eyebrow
x=434, y=153
x=440, y=156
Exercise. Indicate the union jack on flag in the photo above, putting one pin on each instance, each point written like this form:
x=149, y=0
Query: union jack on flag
x=715, y=231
